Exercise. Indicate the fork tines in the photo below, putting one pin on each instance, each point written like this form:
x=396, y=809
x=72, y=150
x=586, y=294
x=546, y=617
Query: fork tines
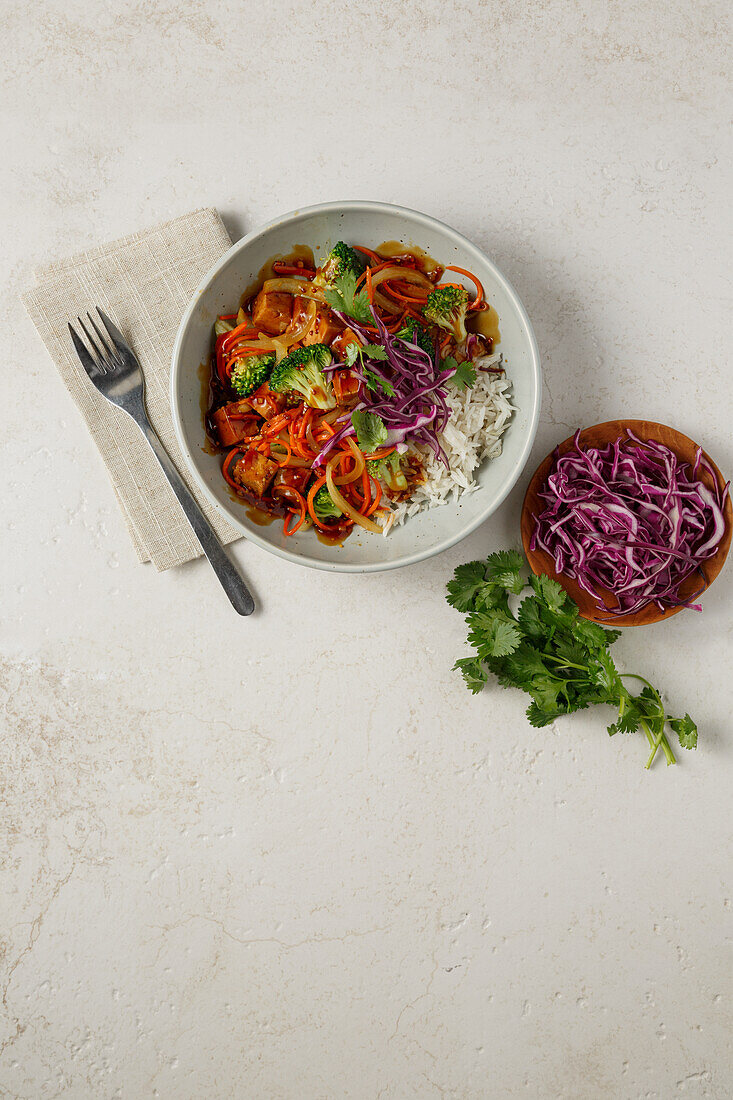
x=108, y=358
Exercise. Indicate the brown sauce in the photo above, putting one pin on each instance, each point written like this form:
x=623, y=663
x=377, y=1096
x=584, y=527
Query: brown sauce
x=330, y=540
x=258, y=517
x=395, y=249
x=486, y=323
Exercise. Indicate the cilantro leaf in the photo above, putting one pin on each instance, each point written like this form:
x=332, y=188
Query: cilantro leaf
x=493, y=633
x=628, y=717
x=355, y=352
x=464, y=374
x=525, y=665
x=506, y=638
x=374, y=351
x=505, y=568
x=370, y=429
x=374, y=383
x=570, y=650
x=467, y=580
x=649, y=703
x=529, y=619
x=538, y=717
x=686, y=730
x=593, y=635
x=473, y=672
x=545, y=692
x=490, y=597
x=549, y=591
x=603, y=673
x=352, y=354
x=343, y=297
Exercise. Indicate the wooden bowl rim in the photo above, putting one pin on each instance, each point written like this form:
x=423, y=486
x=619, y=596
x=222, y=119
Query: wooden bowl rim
x=541, y=562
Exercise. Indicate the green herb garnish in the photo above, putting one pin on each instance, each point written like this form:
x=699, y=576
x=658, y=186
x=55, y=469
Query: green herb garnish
x=370, y=429
x=465, y=373
x=546, y=649
x=343, y=297
x=374, y=382
x=356, y=352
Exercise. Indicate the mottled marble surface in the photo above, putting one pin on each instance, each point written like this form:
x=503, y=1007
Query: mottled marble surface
x=291, y=857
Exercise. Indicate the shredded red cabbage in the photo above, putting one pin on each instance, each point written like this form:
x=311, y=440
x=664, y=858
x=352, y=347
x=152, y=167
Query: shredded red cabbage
x=632, y=519
x=418, y=410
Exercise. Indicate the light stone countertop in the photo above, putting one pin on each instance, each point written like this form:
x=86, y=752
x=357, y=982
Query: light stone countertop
x=291, y=857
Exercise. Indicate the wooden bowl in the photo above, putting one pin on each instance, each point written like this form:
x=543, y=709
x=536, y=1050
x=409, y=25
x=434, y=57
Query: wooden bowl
x=599, y=436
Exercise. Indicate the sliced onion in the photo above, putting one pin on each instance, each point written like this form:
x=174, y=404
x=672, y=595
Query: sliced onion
x=345, y=507
x=261, y=344
x=310, y=439
x=292, y=284
x=358, y=470
x=280, y=349
x=404, y=274
x=386, y=303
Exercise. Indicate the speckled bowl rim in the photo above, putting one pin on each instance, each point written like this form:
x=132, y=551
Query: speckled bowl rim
x=416, y=218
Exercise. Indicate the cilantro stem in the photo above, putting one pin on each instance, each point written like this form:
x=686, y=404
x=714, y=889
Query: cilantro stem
x=643, y=680
x=655, y=742
x=563, y=663
x=660, y=739
x=650, y=738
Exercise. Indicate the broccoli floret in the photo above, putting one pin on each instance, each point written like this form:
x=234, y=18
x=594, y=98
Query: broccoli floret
x=324, y=507
x=446, y=306
x=302, y=371
x=389, y=470
x=412, y=329
x=342, y=259
x=249, y=373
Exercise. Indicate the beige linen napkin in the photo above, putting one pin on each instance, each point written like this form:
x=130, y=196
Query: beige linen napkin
x=144, y=282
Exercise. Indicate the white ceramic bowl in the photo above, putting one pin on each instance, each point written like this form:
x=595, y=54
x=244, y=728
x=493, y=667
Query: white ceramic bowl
x=320, y=227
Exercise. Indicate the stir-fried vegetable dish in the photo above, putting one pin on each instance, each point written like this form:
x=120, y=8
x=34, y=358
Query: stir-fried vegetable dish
x=329, y=383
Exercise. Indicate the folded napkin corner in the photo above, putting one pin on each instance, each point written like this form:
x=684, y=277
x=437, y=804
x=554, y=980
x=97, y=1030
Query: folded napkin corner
x=145, y=282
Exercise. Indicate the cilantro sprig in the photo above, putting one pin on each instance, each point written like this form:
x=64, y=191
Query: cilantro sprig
x=370, y=430
x=343, y=297
x=547, y=650
x=358, y=353
x=464, y=374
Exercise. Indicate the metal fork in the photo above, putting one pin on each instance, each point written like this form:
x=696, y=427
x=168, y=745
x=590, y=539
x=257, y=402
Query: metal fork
x=116, y=373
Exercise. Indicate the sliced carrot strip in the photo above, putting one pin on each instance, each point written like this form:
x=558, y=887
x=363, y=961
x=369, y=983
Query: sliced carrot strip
x=368, y=252
x=377, y=498
x=301, y=510
x=380, y=454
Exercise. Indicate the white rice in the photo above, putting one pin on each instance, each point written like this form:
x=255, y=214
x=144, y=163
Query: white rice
x=479, y=418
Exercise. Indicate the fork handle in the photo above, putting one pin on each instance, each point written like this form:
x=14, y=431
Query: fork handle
x=235, y=588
